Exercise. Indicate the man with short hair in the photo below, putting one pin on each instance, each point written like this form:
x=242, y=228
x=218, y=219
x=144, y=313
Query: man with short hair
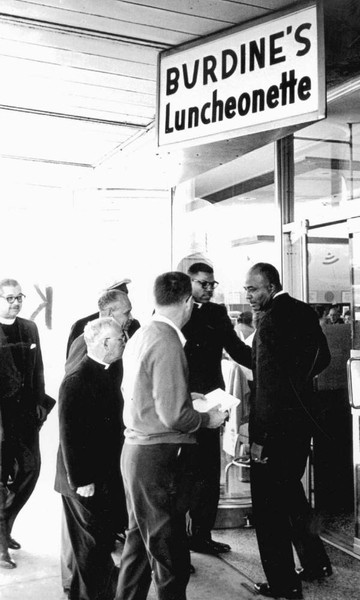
x=78, y=327
x=208, y=333
x=157, y=456
x=23, y=406
x=334, y=317
x=112, y=303
x=289, y=349
x=87, y=470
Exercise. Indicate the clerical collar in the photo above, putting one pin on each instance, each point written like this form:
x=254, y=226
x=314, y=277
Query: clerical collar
x=100, y=362
x=279, y=293
x=198, y=304
x=7, y=321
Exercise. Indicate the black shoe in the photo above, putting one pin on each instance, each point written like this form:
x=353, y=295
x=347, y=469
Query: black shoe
x=313, y=574
x=265, y=590
x=6, y=561
x=192, y=569
x=208, y=546
x=13, y=544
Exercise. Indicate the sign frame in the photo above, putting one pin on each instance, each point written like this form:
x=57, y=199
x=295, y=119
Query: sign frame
x=278, y=123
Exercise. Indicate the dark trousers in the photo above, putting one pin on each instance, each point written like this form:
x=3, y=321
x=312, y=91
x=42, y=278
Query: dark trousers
x=206, y=490
x=88, y=521
x=117, y=522
x=21, y=469
x=3, y=528
x=157, y=480
x=281, y=512
x=66, y=556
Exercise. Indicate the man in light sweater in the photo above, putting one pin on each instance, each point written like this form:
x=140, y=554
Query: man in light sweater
x=157, y=456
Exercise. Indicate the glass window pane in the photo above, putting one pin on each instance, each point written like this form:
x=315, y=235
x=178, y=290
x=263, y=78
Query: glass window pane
x=227, y=218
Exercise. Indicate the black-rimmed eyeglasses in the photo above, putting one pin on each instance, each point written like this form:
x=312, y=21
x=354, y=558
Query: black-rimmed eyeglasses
x=207, y=284
x=11, y=299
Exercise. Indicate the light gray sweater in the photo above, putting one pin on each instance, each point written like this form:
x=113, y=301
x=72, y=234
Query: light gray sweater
x=157, y=402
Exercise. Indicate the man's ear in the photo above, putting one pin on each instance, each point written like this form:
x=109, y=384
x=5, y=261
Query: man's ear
x=272, y=289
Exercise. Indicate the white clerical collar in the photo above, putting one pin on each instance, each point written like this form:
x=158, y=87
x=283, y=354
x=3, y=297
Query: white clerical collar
x=279, y=293
x=163, y=319
x=7, y=321
x=101, y=362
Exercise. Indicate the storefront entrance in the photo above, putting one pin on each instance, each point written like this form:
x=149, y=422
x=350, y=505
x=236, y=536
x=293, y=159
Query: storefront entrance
x=296, y=204
x=321, y=257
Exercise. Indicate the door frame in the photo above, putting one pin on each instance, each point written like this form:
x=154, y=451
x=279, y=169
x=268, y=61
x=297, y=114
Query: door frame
x=295, y=273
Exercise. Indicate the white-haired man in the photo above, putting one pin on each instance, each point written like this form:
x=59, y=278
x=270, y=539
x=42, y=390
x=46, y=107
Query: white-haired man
x=87, y=471
x=116, y=304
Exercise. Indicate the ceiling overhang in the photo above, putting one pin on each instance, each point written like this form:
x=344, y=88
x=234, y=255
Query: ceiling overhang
x=78, y=93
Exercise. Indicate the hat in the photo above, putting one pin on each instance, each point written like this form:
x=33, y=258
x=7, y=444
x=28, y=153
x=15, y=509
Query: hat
x=118, y=283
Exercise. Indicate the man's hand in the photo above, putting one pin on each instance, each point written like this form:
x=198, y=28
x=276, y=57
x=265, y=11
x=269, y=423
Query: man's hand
x=256, y=453
x=86, y=490
x=216, y=417
x=197, y=396
x=41, y=413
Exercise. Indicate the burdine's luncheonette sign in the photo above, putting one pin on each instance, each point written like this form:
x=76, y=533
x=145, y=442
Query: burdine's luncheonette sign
x=252, y=79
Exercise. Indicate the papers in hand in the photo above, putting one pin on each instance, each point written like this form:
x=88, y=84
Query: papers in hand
x=214, y=398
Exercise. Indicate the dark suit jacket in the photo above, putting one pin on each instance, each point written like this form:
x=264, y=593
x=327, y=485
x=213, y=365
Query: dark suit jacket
x=25, y=387
x=79, y=326
x=208, y=332
x=90, y=429
x=289, y=349
x=77, y=352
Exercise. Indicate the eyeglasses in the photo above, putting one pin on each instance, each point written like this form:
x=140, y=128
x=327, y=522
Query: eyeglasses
x=207, y=284
x=122, y=339
x=11, y=299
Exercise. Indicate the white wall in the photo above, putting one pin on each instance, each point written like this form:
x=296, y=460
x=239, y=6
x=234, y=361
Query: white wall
x=77, y=243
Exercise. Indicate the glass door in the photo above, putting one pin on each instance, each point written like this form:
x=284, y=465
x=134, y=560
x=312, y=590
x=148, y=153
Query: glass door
x=317, y=270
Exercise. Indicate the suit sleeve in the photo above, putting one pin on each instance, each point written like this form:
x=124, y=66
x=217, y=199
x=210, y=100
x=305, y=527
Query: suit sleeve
x=38, y=374
x=76, y=353
x=77, y=431
x=238, y=350
x=323, y=357
x=75, y=331
x=269, y=378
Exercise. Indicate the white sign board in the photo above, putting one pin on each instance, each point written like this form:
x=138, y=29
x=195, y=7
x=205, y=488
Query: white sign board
x=265, y=76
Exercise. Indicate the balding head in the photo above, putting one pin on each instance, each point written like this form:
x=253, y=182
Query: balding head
x=262, y=283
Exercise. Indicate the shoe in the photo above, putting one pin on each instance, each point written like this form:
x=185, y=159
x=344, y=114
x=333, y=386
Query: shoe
x=13, y=544
x=192, y=569
x=312, y=575
x=208, y=546
x=6, y=561
x=265, y=590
